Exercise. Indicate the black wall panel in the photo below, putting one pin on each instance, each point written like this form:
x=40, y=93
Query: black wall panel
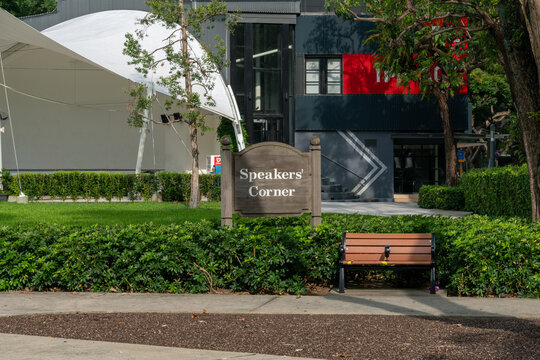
x=376, y=113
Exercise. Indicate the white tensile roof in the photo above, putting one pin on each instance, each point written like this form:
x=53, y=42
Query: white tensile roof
x=98, y=39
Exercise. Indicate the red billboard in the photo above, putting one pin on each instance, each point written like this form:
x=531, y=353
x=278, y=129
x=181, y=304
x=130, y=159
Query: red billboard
x=361, y=77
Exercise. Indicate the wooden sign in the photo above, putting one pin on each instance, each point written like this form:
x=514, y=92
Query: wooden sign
x=270, y=179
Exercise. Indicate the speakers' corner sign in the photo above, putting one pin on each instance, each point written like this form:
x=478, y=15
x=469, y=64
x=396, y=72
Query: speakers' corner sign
x=270, y=179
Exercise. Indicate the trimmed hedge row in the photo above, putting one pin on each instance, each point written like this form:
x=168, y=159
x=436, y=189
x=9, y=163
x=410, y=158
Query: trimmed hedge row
x=501, y=191
x=476, y=255
x=441, y=197
x=93, y=185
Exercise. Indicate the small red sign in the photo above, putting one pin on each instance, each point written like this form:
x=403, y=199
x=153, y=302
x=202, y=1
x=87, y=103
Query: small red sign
x=217, y=160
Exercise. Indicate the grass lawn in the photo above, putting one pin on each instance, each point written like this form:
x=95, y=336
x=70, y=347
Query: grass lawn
x=106, y=213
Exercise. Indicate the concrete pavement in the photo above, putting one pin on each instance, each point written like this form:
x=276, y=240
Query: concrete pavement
x=385, y=209
x=356, y=301
x=369, y=302
x=23, y=347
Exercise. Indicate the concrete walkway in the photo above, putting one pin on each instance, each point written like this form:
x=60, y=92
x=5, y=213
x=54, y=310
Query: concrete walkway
x=369, y=302
x=385, y=209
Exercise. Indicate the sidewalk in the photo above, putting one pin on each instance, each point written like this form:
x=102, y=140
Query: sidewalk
x=385, y=209
x=368, y=302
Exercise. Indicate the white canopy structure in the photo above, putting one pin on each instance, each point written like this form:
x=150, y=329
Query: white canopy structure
x=67, y=86
x=100, y=38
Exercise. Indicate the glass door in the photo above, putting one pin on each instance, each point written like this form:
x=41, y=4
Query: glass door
x=261, y=77
x=416, y=165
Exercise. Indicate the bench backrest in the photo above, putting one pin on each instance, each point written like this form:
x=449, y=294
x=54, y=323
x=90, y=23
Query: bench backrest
x=402, y=249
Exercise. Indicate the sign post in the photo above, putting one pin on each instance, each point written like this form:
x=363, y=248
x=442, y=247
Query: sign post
x=461, y=160
x=270, y=179
x=226, y=182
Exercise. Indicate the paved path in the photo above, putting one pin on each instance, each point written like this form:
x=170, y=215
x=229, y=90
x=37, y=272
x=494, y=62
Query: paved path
x=384, y=209
x=369, y=302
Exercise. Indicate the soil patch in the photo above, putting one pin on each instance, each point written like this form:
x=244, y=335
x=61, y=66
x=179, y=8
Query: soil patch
x=317, y=336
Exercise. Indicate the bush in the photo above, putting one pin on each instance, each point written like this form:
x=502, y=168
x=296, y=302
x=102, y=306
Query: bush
x=485, y=256
x=476, y=255
x=441, y=197
x=188, y=258
x=226, y=128
x=503, y=191
x=6, y=179
x=91, y=185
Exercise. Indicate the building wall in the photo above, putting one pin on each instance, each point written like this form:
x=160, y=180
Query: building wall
x=357, y=160
x=329, y=35
x=357, y=126
x=69, y=9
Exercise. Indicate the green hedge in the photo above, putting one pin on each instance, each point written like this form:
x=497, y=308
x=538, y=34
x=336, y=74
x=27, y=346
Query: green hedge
x=503, y=191
x=476, y=255
x=93, y=185
x=482, y=256
x=441, y=197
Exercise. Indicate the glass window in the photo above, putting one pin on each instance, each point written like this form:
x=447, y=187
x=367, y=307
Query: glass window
x=267, y=68
x=323, y=75
x=312, y=76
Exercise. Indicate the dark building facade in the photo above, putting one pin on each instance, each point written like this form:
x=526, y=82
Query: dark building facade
x=313, y=75
x=298, y=71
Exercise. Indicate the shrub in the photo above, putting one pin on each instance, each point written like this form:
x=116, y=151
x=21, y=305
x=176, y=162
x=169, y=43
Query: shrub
x=226, y=128
x=488, y=256
x=92, y=185
x=441, y=197
x=6, y=179
x=476, y=255
x=500, y=191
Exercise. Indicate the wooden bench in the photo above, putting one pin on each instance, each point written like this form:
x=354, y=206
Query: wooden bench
x=388, y=252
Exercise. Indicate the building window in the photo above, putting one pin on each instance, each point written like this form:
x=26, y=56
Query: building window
x=323, y=75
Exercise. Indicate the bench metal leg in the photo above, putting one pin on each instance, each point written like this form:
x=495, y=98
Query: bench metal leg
x=432, y=281
x=341, y=279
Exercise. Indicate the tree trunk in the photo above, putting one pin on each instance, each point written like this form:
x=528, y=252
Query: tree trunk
x=522, y=73
x=531, y=11
x=450, y=153
x=194, y=198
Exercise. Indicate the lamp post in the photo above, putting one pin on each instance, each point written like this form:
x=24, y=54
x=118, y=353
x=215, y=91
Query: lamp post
x=144, y=128
x=491, y=162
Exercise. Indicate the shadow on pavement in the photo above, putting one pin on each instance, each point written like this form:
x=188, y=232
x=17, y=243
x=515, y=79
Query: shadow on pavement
x=448, y=312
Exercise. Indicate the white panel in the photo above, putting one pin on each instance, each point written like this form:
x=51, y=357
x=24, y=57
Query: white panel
x=334, y=88
x=312, y=64
x=312, y=89
x=312, y=76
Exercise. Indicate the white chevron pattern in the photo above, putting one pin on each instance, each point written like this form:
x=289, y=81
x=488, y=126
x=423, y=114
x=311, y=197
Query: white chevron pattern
x=377, y=166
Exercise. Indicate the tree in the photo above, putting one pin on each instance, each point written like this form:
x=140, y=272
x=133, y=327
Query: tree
x=21, y=8
x=185, y=70
x=531, y=13
x=423, y=46
x=515, y=33
x=514, y=28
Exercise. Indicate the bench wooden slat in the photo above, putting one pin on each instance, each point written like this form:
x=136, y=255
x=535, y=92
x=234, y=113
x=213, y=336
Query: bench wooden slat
x=387, y=235
x=394, y=258
x=396, y=241
x=380, y=263
x=393, y=250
